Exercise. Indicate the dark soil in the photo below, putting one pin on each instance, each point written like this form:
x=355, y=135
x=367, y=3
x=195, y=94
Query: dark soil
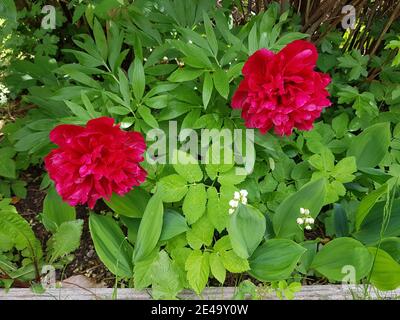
x=86, y=261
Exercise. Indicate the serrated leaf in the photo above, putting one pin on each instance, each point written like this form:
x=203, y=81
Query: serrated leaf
x=194, y=205
x=198, y=268
x=65, y=240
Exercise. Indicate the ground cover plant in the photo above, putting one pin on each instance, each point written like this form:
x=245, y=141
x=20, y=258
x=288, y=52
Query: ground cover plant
x=200, y=143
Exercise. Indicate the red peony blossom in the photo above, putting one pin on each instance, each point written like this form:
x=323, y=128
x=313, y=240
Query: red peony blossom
x=94, y=161
x=282, y=90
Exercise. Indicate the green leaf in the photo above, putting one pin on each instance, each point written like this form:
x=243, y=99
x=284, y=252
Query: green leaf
x=187, y=166
x=166, y=283
x=18, y=231
x=172, y=188
x=7, y=167
x=100, y=38
x=385, y=274
x=201, y=233
x=198, y=268
x=194, y=205
x=174, y=224
x=111, y=246
x=207, y=89
x=339, y=253
x=56, y=211
x=253, y=40
x=340, y=221
x=246, y=229
x=150, y=228
x=288, y=38
x=146, y=115
x=65, y=240
x=310, y=196
x=392, y=246
x=185, y=74
x=217, y=267
x=275, y=260
x=221, y=82
x=356, y=62
x=138, y=79
x=367, y=204
x=370, y=229
x=211, y=38
x=216, y=212
x=231, y=261
x=370, y=146
x=131, y=204
x=142, y=271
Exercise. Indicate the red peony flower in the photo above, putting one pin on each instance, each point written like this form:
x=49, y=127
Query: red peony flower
x=94, y=161
x=282, y=90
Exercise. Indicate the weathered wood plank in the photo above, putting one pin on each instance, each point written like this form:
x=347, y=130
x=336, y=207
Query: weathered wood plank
x=317, y=292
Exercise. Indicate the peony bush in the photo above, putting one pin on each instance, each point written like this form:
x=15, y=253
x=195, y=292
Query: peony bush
x=204, y=152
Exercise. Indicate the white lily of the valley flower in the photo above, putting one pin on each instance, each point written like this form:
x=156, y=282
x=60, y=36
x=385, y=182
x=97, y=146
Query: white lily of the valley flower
x=233, y=203
x=300, y=221
x=243, y=193
x=244, y=200
x=302, y=211
x=236, y=195
x=231, y=211
x=308, y=227
x=310, y=220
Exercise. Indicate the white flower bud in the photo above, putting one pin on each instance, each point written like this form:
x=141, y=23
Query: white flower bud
x=243, y=193
x=308, y=227
x=236, y=195
x=244, y=200
x=302, y=211
x=165, y=58
x=233, y=203
x=306, y=211
x=300, y=221
x=190, y=41
x=231, y=211
x=310, y=220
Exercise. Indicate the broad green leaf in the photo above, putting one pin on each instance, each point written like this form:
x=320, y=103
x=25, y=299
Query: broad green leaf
x=194, y=205
x=216, y=212
x=18, y=231
x=340, y=221
x=367, y=204
x=275, y=260
x=201, y=233
x=56, y=211
x=187, y=166
x=142, y=271
x=150, y=228
x=111, y=246
x=146, y=115
x=65, y=240
x=172, y=188
x=370, y=229
x=310, y=196
x=165, y=277
x=246, y=229
x=174, y=224
x=198, y=269
x=184, y=74
x=138, y=79
x=385, y=274
x=221, y=82
x=217, y=267
x=131, y=204
x=288, y=38
x=7, y=167
x=231, y=261
x=392, y=246
x=370, y=146
x=339, y=253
